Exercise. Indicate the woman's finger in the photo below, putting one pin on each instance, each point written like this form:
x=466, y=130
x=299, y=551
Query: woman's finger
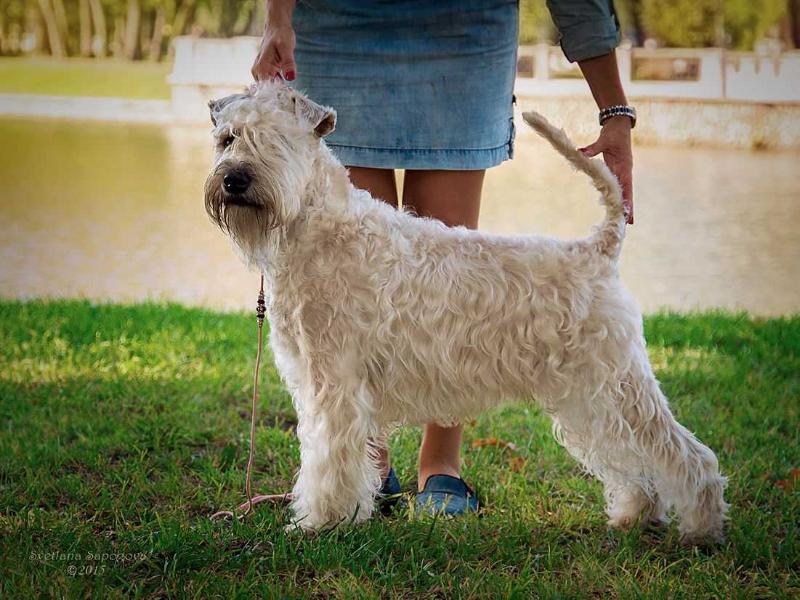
x=267, y=64
x=289, y=67
x=626, y=183
x=592, y=149
x=264, y=69
x=627, y=201
x=623, y=171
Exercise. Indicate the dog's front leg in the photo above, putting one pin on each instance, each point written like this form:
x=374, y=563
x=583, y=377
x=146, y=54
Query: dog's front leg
x=338, y=476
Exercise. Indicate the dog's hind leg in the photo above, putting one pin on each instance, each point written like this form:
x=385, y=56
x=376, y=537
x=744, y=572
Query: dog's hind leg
x=684, y=471
x=590, y=431
x=338, y=476
x=632, y=500
x=648, y=462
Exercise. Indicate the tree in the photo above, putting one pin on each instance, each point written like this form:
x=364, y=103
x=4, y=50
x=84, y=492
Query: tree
x=682, y=23
x=54, y=38
x=154, y=52
x=225, y=18
x=62, y=22
x=535, y=24
x=630, y=19
x=132, y=22
x=99, y=40
x=748, y=21
x=136, y=29
x=698, y=23
x=12, y=24
x=85, y=28
x=793, y=24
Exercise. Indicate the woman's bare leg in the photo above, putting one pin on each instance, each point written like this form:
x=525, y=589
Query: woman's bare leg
x=453, y=197
x=381, y=184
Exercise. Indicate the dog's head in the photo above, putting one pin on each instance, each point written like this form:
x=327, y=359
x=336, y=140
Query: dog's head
x=265, y=144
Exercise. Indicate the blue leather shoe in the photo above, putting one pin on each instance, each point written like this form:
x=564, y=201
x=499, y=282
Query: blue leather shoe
x=389, y=493
x=447, y=495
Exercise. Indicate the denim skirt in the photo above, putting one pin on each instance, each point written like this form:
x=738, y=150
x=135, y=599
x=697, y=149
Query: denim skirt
x=416, y=84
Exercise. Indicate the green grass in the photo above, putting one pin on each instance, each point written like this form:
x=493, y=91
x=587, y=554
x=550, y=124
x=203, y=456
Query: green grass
x=84, y=77
x=123, y=427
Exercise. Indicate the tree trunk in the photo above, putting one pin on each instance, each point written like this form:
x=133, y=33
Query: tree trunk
x=85, y=19
x=182, y=16
x=99, y=42
x=63, y=26
x=54, y=39
x=793, y=19
x=243, y=19
x=158, y=35
x=720, y=37
x=636, y=15
x=131, y=43
x=3, y=37
x=257, y=22
x=145, y=33
x=118, y=38
x=33, y=23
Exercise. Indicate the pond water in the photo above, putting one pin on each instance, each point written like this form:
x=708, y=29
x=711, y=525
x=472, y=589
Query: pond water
x=109, y=211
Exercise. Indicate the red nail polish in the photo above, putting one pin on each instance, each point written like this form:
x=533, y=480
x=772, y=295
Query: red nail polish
x=289, y=75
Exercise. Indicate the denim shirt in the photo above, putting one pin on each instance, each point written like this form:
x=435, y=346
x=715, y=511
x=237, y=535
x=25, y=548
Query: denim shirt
x=588, y=28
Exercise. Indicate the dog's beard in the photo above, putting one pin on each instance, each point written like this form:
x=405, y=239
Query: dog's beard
x=244, y=217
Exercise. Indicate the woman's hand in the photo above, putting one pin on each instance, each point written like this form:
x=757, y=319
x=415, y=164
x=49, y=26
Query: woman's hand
x=276, y=55
x=615, y=144
x=602, y=75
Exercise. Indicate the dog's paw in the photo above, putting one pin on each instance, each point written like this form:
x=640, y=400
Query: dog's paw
x=295, y=528
x=707, y=539
x=623, y=522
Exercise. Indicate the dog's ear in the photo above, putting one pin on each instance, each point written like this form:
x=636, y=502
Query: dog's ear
x=216, y=106
x=321, y=118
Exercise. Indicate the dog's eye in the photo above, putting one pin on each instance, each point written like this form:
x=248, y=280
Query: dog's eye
x=227, y=140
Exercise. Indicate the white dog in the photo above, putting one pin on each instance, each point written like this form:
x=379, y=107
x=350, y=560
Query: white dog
x=379, y=317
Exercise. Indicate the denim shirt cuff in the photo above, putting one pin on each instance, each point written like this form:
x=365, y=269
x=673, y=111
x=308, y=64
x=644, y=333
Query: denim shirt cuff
x=590, y=38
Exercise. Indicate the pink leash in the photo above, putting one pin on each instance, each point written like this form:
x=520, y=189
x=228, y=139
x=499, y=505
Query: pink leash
x=245, y=508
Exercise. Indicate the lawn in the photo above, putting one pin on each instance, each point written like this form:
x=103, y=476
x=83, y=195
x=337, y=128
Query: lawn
x=124, y=427
x=84, y=77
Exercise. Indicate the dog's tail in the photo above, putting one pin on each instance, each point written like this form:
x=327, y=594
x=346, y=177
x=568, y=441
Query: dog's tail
x=607, y=238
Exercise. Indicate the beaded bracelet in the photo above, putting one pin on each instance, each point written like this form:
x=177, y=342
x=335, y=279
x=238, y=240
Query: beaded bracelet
x=619, y=110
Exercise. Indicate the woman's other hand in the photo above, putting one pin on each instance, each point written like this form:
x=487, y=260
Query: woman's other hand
x=615, y=144
x=276, y=54
x=602, y=75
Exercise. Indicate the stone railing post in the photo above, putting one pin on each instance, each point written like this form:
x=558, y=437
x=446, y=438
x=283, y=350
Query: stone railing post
x=541, y=62
x=625, y=64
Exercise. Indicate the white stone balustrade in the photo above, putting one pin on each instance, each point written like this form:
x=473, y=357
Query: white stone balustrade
x=684, y=96
x=208, y=67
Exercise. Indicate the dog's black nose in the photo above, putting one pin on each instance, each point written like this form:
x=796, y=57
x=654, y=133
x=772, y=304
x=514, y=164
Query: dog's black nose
x=236, y=182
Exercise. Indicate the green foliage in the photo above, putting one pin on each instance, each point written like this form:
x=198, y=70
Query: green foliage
x=698, y=23
x=225, y=18
x=124, y=427
x=60, y=22
x=535, y=24
x=628, y=15
x=682, y=23
x=12, y=10
x=748, y=21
